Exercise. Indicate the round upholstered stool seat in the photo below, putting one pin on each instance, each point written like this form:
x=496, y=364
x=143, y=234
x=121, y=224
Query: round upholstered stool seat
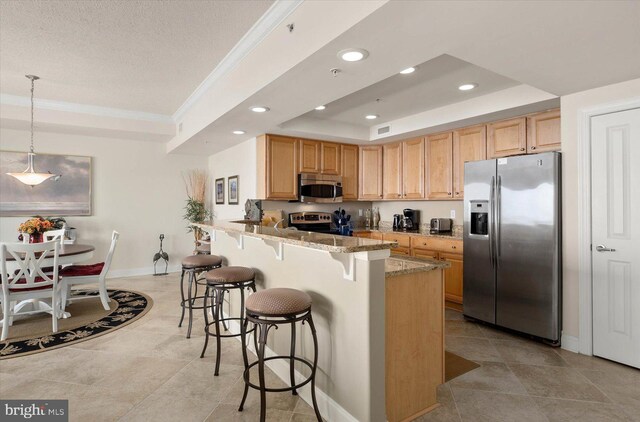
x=199, y=261
x=278, y=301
x=227, y=275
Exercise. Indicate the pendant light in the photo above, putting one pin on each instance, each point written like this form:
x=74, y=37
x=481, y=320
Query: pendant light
x=30, y=176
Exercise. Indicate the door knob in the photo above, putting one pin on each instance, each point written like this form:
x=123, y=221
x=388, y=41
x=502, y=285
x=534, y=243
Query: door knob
x=602, y=248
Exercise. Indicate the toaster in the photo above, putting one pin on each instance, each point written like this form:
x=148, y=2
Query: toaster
x=441, y=225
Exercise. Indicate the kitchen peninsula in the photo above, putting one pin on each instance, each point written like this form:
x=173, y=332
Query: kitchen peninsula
x=379, y=319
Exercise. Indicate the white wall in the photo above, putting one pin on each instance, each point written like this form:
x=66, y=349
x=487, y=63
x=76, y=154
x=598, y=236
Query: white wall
x=571, y=106
x=137, y=190
x=239, y=160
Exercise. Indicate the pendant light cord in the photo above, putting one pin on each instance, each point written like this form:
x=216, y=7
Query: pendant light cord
x=32, y=88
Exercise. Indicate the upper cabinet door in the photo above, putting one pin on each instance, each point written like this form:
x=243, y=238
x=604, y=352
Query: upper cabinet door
x=282, y=168
x=440, y=166
x=392, y=170
x=349, y=155
x=469, y=144
x=330, y=158
x=371, y=172
x=413, y=169
x=309, y=156
x=508, y=137
x=543, y=132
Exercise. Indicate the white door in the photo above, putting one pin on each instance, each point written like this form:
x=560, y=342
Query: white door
x=615, y=238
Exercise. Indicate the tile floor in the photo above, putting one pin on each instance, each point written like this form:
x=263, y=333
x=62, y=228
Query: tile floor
x=150, y=371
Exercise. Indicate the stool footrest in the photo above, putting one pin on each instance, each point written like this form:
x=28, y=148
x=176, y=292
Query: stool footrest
x=222, y=321
x=245, y=375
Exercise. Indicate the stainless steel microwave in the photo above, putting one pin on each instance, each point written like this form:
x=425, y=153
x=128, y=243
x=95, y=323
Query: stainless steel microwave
x=319, y=188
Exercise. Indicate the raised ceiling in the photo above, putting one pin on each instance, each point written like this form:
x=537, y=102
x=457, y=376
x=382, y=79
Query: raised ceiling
x=137, y=55
x=433, y=84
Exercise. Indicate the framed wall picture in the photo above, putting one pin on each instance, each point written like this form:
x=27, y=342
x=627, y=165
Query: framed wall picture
x=66, y=195
x=220, y=191
x=233, y=190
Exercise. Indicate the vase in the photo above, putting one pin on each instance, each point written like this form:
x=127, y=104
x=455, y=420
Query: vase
x=35, y=238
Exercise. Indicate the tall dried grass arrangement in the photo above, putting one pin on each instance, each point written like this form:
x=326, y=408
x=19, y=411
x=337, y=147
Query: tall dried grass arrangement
x=196, y=181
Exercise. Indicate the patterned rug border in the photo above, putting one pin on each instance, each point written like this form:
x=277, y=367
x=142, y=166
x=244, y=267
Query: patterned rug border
x=134, y=313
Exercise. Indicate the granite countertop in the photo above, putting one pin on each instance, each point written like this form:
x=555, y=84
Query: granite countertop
x=321, y=241
x=456, y=235
x=400, y=265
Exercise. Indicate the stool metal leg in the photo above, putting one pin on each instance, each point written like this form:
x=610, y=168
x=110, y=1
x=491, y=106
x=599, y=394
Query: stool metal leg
x=206, y=321
x=292, y=361
x=262, y=344
x=182, y=297
x=243, y=332
x=315, y=366
x=192, y=275
x=216, y=322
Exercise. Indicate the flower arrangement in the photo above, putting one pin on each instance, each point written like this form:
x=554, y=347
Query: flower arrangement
x=36, y=225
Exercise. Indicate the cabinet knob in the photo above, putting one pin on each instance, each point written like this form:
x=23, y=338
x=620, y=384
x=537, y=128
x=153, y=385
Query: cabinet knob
x=533, y=147
x=449, y=193
x=457, y=193
x=453, y=247
x=521, y=149
x=399, y=195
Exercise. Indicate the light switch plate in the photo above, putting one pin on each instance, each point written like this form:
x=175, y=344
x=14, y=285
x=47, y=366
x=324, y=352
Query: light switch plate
x=453, y=214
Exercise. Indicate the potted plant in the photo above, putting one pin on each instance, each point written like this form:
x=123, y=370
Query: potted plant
x=196, y=182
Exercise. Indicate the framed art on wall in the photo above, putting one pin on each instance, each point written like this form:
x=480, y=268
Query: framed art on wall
x=69, y=194
x=220, y=191
x=233, y=190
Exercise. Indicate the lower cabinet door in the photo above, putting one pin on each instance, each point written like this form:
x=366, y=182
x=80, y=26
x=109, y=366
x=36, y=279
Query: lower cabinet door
x=401, y=251
x=425, y=253
x=452, y=277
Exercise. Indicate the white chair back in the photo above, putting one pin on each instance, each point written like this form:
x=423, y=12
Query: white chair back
x=55, y=234
x=29, y=256
x=107, y=262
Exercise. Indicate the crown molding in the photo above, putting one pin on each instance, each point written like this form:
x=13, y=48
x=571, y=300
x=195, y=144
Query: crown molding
x=259, y=31
x=16, y=100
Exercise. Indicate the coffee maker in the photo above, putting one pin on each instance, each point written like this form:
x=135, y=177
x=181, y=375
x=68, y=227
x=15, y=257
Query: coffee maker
x=410, y=220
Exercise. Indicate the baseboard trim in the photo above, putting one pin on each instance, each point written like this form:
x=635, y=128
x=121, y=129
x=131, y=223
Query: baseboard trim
x=132, y=272
x=329, y=409
x=570, y=343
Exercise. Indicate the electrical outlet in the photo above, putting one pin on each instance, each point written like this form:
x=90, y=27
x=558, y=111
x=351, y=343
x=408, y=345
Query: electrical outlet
x=360, y=212
x=453, y=214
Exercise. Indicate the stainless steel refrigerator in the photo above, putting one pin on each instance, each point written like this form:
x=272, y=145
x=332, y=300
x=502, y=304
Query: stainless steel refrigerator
x=512, y=243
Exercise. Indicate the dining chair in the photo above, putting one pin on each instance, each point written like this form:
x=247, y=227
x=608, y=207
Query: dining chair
x=55, y=234
x=29, y=281
x=88, y=274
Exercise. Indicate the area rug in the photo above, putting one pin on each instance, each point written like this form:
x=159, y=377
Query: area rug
x=88, y=320
x=454, y=366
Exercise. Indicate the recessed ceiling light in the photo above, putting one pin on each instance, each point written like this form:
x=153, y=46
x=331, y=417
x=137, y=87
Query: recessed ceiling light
x=320, y=108
x=259, y=109
x=371, y=116
x=239, y=132
x=408, y=70
x=467, y=87
x=353, y=54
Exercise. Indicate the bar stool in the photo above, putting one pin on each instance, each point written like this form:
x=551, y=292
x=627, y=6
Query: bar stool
x=270, y=308
x=220, y=281
x=194, y=265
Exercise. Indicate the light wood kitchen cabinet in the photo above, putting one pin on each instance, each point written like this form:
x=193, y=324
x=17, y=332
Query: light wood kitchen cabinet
x=392, y=170
x=469, y=144
x=309, y=156
x=413, y=158
x=543, y=132
x=508, y=137
x=375, y=235
x=277, y=167
x=349, y=157
x=452, y=277
x=330, y=158
x=370, y=183
x=439, y=166
x=403, y=241
x=424, y=253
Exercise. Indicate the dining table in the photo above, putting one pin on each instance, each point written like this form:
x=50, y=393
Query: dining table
x=67, y=255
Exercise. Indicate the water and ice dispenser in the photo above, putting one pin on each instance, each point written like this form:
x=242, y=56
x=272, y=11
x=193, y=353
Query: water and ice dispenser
x=479, y=218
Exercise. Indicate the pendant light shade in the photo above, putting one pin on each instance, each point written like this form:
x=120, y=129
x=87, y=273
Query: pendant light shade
x=30, y=176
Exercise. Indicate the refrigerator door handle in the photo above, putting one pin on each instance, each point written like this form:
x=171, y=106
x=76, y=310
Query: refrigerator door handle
x=498, y=222
x=492, y=214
